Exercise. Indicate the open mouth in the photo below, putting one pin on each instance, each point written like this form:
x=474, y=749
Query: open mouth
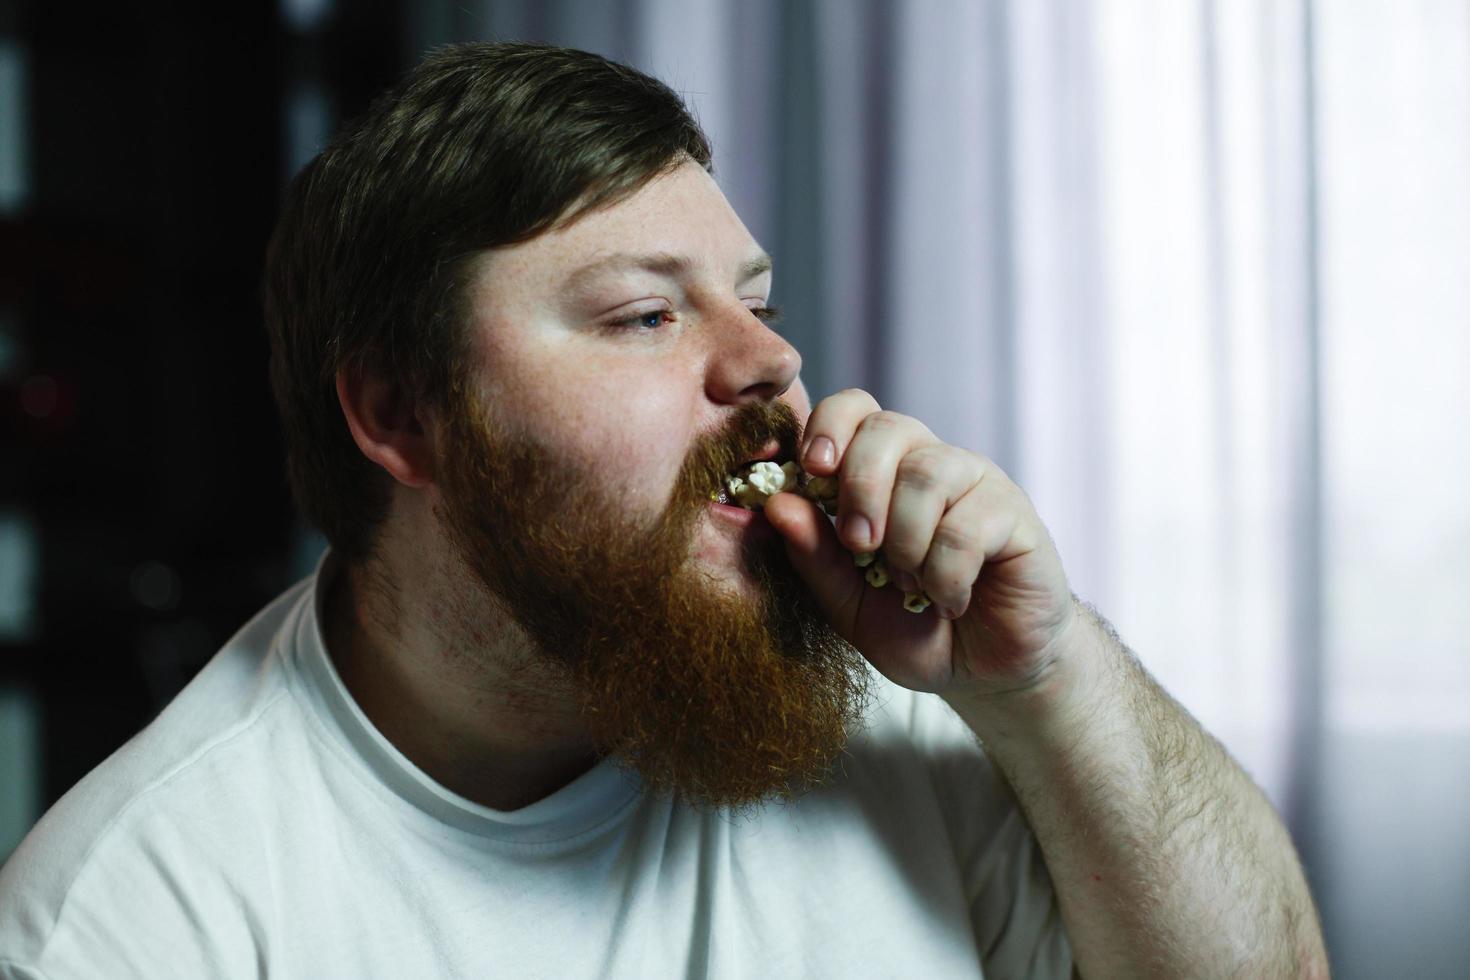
x=754, y=482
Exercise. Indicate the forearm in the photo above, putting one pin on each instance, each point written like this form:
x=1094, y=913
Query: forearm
x=1168, y=861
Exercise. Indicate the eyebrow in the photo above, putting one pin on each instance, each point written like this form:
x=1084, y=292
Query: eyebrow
x=660, y=263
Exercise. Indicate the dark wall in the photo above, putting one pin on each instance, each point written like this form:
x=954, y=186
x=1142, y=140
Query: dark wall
x=139, y=434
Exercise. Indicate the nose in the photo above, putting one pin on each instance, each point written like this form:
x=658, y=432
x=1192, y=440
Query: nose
x=748, y=361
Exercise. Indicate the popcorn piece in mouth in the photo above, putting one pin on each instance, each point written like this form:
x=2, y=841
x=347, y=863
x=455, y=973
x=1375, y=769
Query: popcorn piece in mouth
x=752, y=485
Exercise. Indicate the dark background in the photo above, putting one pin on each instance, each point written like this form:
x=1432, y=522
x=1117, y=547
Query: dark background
x=140, y=444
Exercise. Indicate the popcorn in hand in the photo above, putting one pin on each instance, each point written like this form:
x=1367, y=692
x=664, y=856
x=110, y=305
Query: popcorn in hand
x=915, y=602
x=752, y=486
x=822, y=490
x=877, y=574
x=877, y=577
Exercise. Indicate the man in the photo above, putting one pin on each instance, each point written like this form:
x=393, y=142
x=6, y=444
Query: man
x=553, y=706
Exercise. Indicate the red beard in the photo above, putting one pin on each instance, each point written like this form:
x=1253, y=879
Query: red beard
x=713, y=697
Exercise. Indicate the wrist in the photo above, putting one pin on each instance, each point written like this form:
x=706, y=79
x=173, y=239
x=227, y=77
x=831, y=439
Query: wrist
x=1064, y=696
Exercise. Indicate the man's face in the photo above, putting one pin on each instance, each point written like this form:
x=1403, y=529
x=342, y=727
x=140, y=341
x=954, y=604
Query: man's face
x=619, y=373
x=625, y=401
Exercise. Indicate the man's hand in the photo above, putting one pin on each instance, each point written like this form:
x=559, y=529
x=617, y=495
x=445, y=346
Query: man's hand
x=948, y=521
x=1166, y=859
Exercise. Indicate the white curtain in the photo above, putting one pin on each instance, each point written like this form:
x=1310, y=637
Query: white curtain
x=1197, y=275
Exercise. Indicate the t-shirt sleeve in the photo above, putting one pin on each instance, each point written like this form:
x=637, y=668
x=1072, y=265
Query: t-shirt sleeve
x=1013, y=909
x=143, y=904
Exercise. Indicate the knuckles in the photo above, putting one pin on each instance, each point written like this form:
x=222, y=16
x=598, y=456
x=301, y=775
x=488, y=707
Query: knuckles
x=953, y=537
x=904, y=556
x=862, y=484
x=856, y=393
x=920, y=472
x=884, y=421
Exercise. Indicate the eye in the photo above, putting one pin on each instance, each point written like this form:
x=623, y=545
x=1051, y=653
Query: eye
x=649, y=319
x=768, y=315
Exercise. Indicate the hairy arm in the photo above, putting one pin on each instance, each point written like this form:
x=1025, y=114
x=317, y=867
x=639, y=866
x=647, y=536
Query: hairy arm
x=1167, y=860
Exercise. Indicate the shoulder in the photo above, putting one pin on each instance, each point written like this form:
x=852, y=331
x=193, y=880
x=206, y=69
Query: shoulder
x=140, y=832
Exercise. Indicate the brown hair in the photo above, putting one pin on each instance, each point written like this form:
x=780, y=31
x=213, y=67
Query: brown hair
x=480, y=145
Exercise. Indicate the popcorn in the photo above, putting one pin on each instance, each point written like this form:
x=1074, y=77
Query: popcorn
x=743, y=493
x=768, y=478
x=822, y=490
x=877, y=574
x=752, y=486
x=915, y=602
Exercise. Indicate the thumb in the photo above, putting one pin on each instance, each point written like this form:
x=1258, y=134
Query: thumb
x=819, y=558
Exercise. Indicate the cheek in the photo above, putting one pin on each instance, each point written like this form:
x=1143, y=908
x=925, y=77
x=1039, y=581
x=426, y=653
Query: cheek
x=626, y=422
x=625, y=434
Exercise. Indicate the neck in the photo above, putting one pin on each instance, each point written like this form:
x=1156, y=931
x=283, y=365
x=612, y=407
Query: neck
x=468, y=702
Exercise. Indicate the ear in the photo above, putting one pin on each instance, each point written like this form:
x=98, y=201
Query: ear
x=386, y=427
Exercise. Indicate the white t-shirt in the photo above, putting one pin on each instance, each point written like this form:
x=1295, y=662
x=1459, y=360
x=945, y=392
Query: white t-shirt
x=262, y=826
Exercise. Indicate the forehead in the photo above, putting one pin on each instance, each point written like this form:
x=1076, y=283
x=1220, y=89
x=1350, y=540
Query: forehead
x=681, y=214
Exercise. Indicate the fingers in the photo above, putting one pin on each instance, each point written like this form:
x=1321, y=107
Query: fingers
x=833, y=422
x=815, y=552
x=929, y=482
x=870, y=470
x=937, y=512
x=979, y=524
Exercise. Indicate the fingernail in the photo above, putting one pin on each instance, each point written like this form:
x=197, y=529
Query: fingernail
x=821, y=452
x=859, y=531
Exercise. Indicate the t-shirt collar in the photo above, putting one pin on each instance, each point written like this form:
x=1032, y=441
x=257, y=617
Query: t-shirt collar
x=585, y=803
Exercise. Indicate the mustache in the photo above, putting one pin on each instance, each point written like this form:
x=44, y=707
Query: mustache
x=746, y=434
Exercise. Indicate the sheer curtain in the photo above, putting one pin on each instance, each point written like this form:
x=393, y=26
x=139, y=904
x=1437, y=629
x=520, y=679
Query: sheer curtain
x=1197, y=275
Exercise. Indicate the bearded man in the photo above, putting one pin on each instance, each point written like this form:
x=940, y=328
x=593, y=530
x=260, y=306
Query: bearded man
x=553, y=705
